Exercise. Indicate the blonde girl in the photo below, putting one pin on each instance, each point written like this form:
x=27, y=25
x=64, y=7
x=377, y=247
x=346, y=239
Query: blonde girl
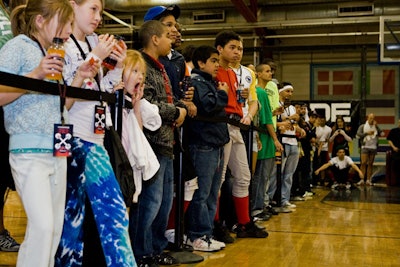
x=90, y=175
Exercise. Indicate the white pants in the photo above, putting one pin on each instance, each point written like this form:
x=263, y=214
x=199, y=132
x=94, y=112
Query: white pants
x=40, y=180
x=236, y=158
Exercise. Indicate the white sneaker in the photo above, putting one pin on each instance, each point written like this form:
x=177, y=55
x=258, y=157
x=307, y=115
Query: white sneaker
x=308, y=194
x=203, y=244
x=218, y=243
x=348, y=186
x=170, y=235
x=289, y=205
x=335, y=185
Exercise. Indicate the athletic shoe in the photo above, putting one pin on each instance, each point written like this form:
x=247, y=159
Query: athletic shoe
x=165, y=259
x=298, y=198
x=147, y=262
x=269, y=209
x=262, y=216
x=348, y=186
x=218, y=243
x=170, y=235
x=251, y=230
x=334, y=186
x=7, y=243
x=221, y=233
x=361, y=182
x=203, y=244
x=308, y=194
x=289, y=205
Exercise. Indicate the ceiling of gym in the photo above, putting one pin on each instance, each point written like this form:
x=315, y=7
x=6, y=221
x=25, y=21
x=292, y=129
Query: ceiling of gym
x=280, y=24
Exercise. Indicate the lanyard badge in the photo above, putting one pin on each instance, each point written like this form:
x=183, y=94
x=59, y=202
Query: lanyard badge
x=62, y=135
x=99, y=119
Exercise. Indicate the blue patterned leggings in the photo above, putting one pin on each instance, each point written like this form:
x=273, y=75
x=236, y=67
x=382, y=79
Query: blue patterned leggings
x=90, y=175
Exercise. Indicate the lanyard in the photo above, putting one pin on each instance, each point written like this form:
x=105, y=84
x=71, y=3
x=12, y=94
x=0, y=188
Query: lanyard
x=239, y=74
x=84, y=55
x=62, y=88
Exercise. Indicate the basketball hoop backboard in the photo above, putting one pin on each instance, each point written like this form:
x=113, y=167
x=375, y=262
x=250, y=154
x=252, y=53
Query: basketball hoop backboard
x=389, y=39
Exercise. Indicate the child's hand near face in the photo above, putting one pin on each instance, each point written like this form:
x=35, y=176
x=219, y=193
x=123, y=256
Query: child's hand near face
x=105, y=46
x=119, y=53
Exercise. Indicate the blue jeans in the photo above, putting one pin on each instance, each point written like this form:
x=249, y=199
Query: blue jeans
x=208, y=163
x=149, y=218
x=289, y=165
x=262, y=175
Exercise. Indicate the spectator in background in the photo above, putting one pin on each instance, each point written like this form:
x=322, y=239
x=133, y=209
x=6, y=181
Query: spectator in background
x=322, y=134
x=368, y=133
x=340, y=167
x=288, y=127
x=302, y=176
x=340, y=137
x=187, y=53
x=394, y=142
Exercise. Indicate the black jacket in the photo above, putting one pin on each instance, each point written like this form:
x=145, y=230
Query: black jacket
x=210, y=104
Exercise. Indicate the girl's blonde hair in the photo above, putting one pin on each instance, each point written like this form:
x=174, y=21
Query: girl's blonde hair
x=23, y=17
x=133, y=57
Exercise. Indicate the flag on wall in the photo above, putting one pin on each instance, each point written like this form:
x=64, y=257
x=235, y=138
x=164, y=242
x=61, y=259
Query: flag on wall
x=336, y=82
x=381, y=80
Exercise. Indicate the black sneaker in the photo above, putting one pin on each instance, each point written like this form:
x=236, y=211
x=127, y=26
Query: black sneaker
x=221, y=233
x=7, y=243
x=147, y=262
x=166, y=259
x=251, y=230
x=271, y=210
x=262, y=216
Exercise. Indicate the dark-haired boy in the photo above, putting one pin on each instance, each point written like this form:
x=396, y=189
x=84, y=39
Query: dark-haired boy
x=340, y=167
x=148, y=220
x=228, y=44
x=206, y=147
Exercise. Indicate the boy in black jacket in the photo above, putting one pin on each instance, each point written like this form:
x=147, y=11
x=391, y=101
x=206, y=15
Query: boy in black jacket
x=206, y=147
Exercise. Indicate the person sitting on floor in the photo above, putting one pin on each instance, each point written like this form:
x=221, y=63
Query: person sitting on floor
x=340, y=167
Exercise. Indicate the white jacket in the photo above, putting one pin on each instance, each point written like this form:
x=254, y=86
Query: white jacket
x=141, y=156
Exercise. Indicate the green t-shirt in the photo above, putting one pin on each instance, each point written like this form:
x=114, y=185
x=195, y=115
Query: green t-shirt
x=273, y=96
x=265, y=117
x=5, y=27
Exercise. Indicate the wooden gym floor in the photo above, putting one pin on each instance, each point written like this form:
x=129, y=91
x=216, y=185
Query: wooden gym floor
x=334, y=228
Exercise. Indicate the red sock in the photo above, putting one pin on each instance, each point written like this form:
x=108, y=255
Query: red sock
x=216, y=218
x=242, y=209
x=171, y=219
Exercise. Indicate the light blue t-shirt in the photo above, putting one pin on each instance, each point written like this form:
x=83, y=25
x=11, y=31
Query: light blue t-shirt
x=29, y=119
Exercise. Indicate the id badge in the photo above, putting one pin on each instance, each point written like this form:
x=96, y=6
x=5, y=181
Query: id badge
x=99, y=119
x=62, y=141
